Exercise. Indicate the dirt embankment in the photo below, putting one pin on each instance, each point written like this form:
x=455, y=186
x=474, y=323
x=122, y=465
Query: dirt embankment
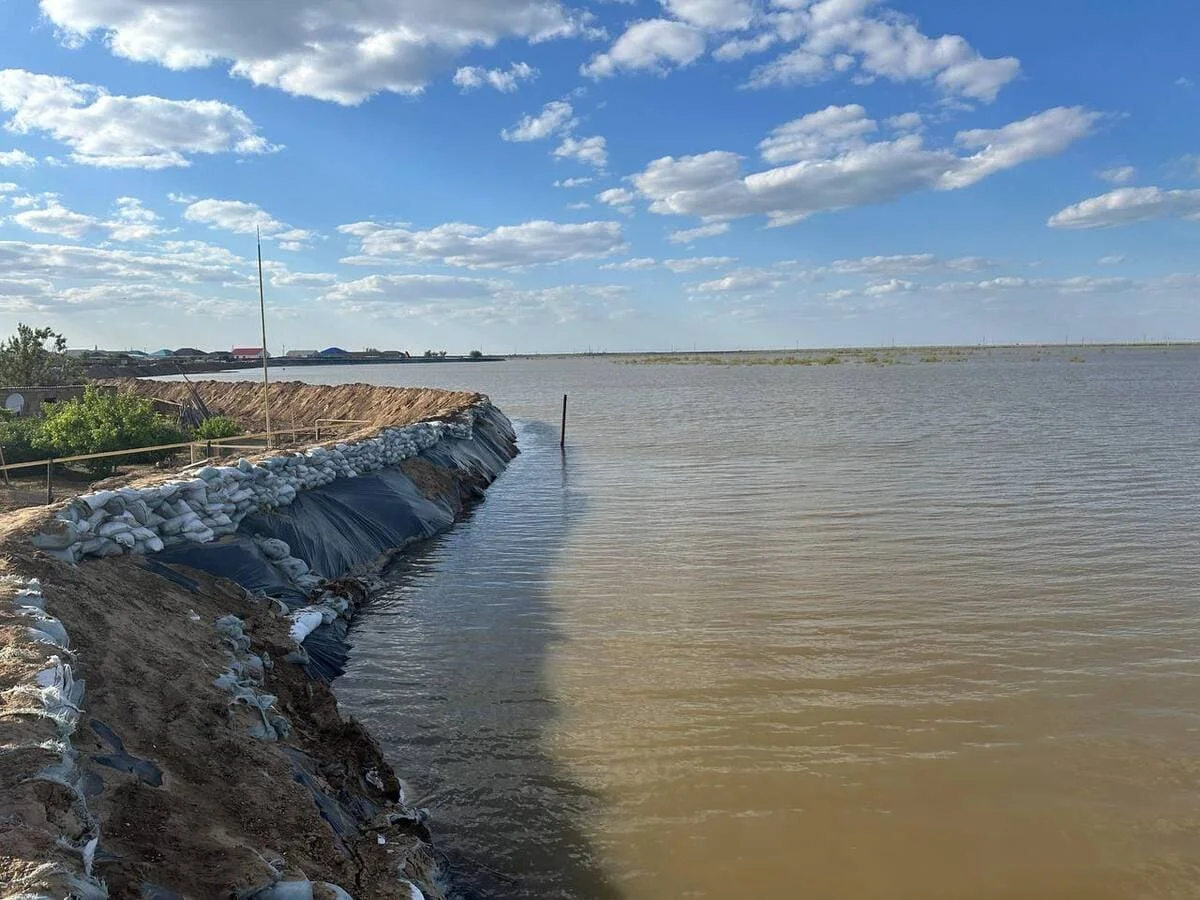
x=297, y=404
x=190, y=804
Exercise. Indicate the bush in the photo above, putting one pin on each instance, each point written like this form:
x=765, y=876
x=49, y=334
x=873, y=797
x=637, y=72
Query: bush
x=101, y=421
x=217, y=427
x=20, y=439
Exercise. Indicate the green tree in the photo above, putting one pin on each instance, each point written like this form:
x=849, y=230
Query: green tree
x=101, y=421
x=19, y=437
x=217, y=427
x=27, y=361
x=476, y=354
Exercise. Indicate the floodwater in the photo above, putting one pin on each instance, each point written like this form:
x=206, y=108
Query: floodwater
x=847, y=631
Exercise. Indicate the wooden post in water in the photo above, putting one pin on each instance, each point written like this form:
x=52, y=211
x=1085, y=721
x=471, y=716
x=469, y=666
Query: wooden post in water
x=562, y=440
x=49, y=481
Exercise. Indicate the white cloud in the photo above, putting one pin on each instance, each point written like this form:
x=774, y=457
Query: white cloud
x=1046, y=134
x=282, y=276
x=413, y=288
x=112, y=131
x=1114, y=260
x=715, y=15
x=891, y=286
x=188, y=262
x=1078, y=284
x=580, y=205
x=697, y=262
x=744, y=281
x=1127, y=205
x=343, y=53
x=678, y=265
x=573, y=182
x=17, y=159
x=740, y=47
x=909, y=121
x=835, y=35
x=240, y=217
x=884, y=265
x=556, y=117
x=1119, y=174
x=471, y=246
x=833, y=129
x=7, y=187
x=619, y=198
x=132, y=221
x=490, y=302
x=504, y=80
x=1183, y=81
x=636, y=264
x=687, y=235
x=54, y=218
x=590, y=150
x=653, y=45
x=856, y=173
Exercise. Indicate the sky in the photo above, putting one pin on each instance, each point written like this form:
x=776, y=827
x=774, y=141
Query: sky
x=536, y=176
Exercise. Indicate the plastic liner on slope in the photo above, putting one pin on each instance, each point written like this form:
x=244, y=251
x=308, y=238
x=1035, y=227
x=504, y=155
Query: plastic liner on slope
x=347, y=524
x=237, y=558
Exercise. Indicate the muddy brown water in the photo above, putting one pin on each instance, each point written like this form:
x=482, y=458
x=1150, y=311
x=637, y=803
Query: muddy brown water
x=919, y=631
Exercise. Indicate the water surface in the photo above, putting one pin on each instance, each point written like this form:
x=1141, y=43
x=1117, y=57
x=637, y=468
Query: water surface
x=852, y=631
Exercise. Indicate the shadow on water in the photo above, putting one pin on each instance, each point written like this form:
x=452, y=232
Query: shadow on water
x=449, y=673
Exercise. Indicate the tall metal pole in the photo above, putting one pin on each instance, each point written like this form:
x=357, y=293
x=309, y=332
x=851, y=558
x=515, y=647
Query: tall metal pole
x=262, y=310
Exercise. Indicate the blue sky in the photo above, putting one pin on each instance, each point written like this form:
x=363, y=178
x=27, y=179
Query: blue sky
x=540, y=176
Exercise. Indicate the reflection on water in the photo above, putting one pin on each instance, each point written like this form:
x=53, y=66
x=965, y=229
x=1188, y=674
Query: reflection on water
x=922, y=631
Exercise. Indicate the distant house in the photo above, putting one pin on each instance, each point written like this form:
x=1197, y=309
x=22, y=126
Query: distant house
x=162, y=353
x=334, y=351
x=244, y=353
x=300, y=354
x=191, y=352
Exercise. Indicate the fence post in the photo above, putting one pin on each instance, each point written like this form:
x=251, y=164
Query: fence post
x=318, y=431
x=192, y=454
x=562, y=440
x=208, y=449
x=49, y=481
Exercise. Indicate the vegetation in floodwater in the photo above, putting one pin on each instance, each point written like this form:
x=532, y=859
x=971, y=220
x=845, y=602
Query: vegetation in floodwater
x=1076, y=359
x=930, y=358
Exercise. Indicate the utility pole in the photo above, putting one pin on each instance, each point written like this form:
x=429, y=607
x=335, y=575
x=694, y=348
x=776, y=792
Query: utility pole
x=262, y=311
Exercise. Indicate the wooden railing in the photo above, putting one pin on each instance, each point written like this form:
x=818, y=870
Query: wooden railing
x=264, y=441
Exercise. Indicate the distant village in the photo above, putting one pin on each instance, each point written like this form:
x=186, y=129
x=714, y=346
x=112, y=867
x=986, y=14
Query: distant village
x=240, y=354
x=99, y=363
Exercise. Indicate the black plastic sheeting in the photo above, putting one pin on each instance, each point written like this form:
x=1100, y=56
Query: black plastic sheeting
x=341, y=527
x=348, y=523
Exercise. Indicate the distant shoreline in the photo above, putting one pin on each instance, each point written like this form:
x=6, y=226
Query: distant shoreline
x=879, y=348
x=156, y=367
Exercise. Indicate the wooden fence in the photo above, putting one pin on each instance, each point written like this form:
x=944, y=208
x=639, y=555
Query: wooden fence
x=264, y=441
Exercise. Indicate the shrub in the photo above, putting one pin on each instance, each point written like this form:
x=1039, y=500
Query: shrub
x=101, y=421
x=20, y=439
x=217, y=427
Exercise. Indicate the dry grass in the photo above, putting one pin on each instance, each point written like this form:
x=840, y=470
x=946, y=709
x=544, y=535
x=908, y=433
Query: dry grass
x=294, y=402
